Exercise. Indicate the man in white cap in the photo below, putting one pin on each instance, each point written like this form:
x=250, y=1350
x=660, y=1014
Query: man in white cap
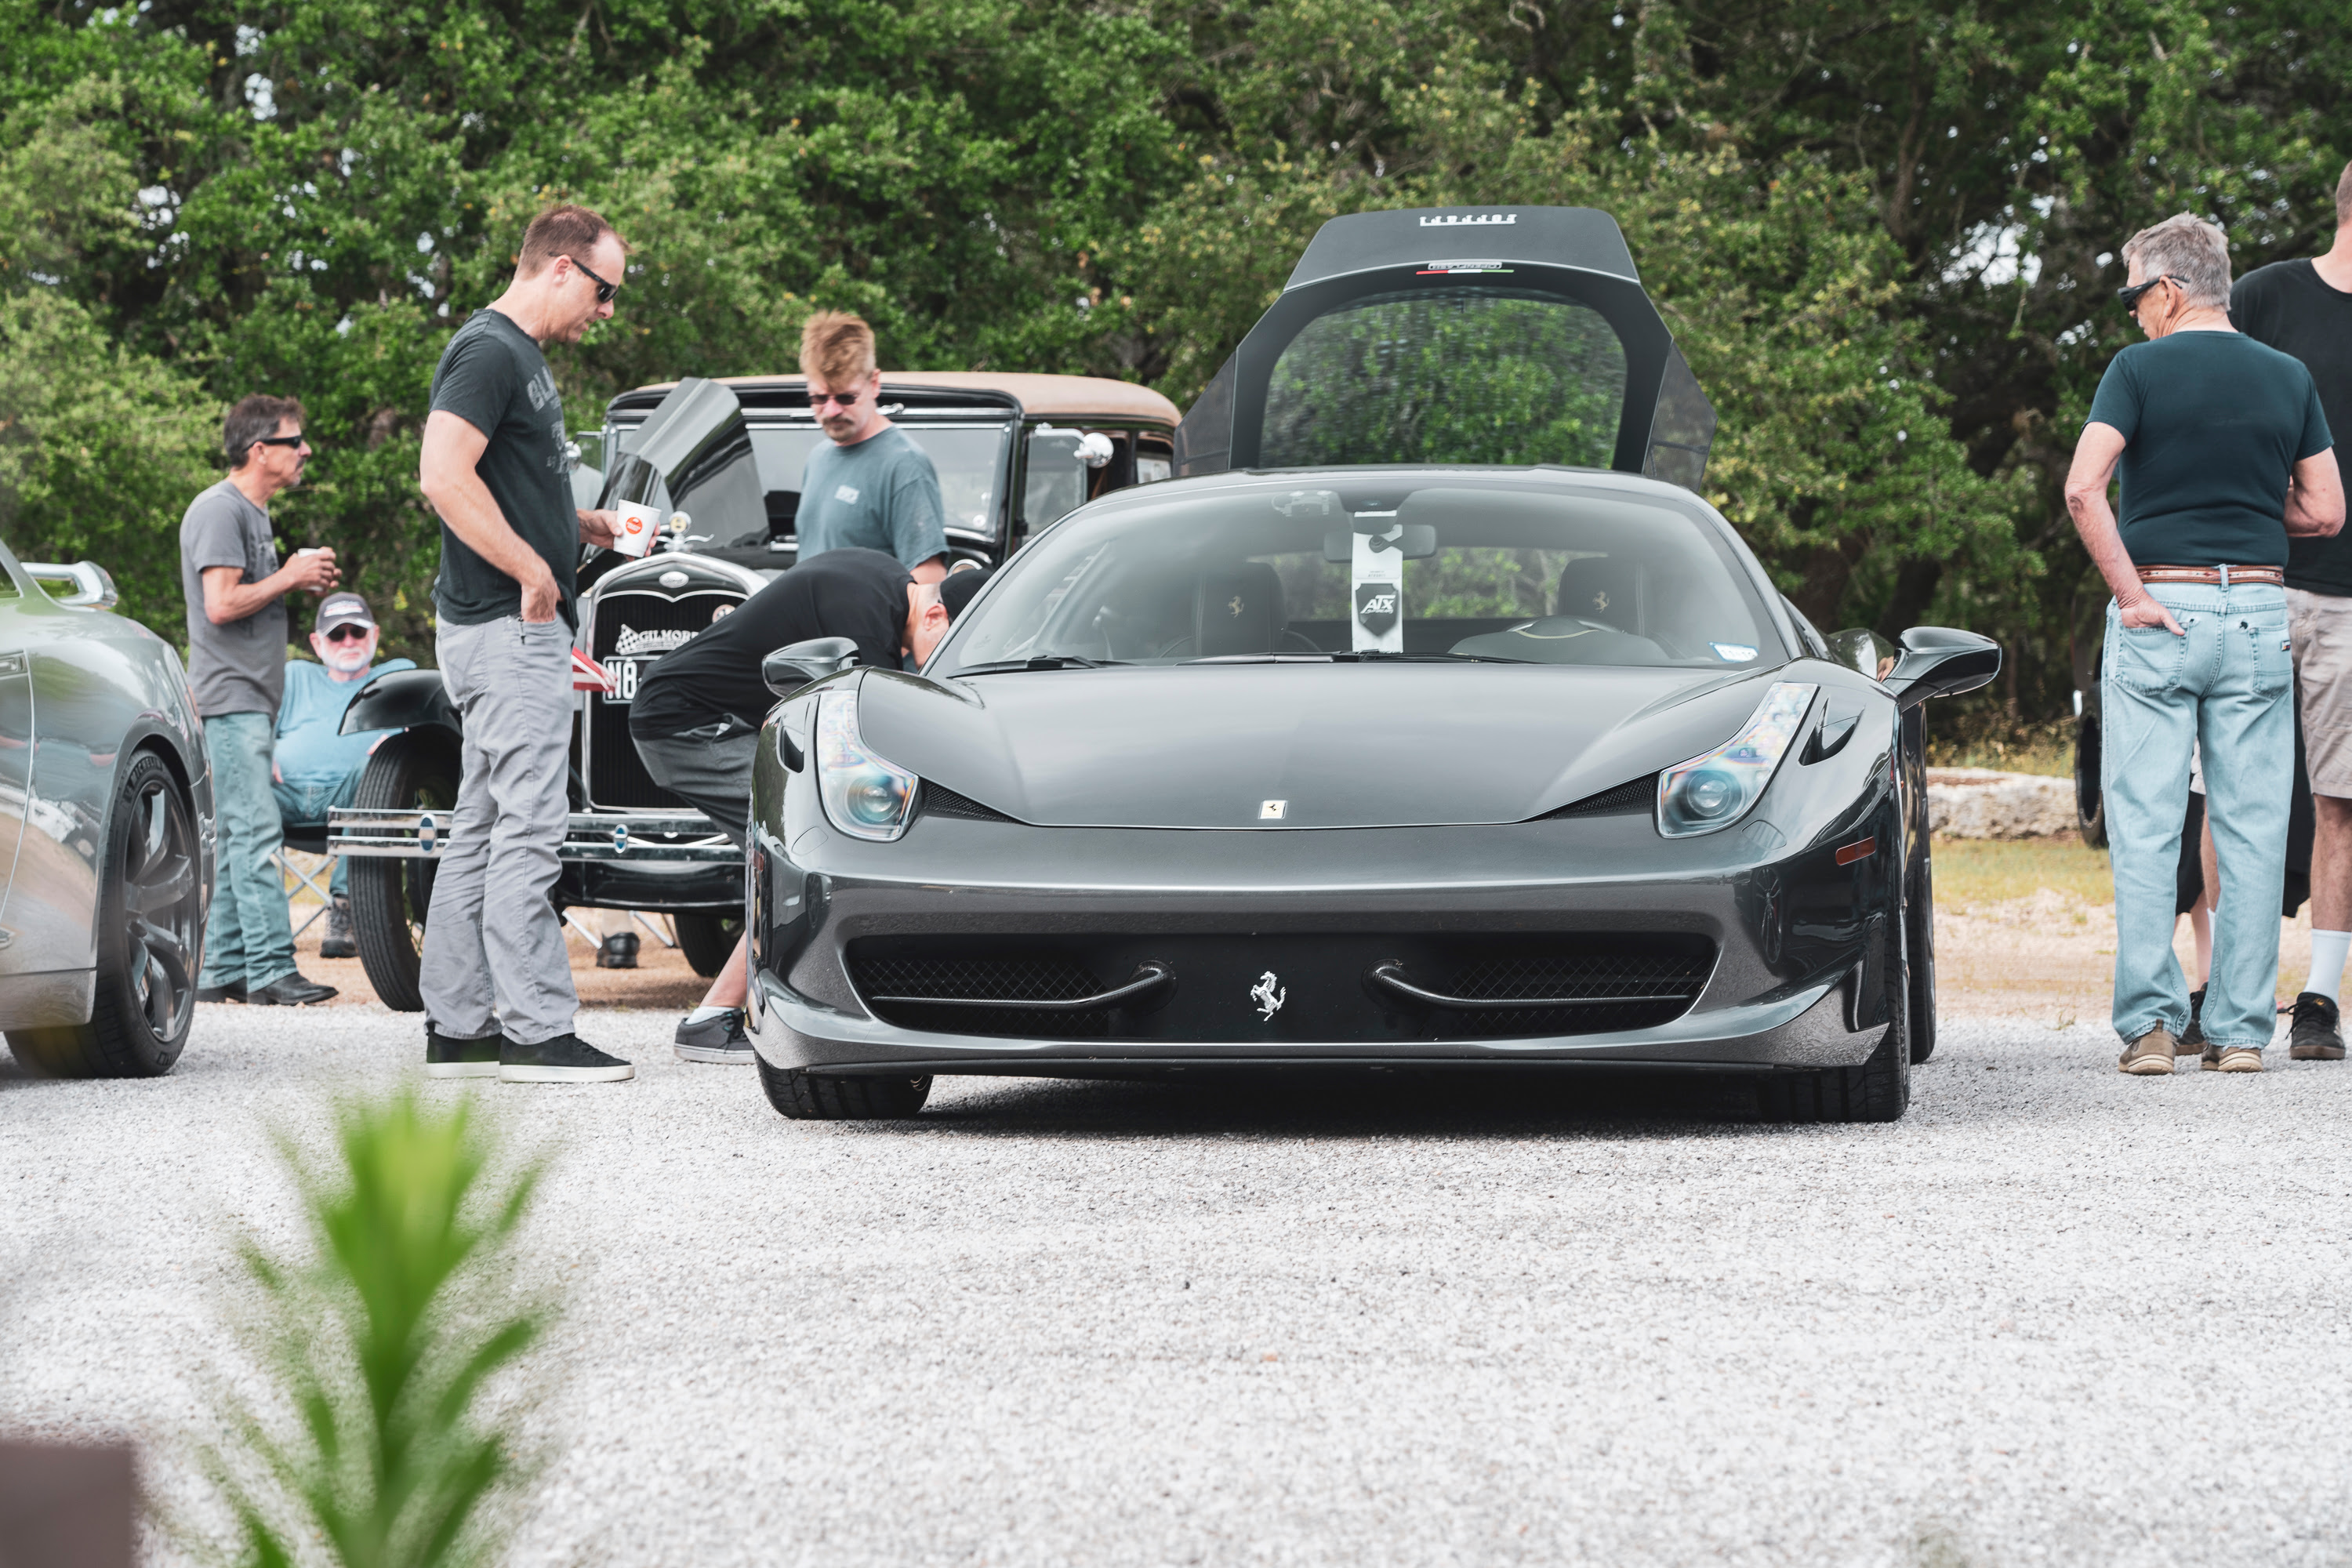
x=318, y=767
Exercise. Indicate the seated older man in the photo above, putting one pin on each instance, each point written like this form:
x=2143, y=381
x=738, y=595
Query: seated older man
x=318, y=768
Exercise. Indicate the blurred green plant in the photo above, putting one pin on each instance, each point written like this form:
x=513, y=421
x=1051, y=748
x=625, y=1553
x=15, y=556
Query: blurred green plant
x=377, y=1447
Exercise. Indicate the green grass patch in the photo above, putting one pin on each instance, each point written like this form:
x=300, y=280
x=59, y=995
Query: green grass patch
x=1994, y=870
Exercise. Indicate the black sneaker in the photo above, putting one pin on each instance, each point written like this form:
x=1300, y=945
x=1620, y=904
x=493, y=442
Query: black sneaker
x=226, y=991
x=2316, y=1035
x=619, y=950
x=453, y=1056
x=291, y=991
x=2195, y=1034
x=719, y=1039
x=567, y=1058
x=338, y=942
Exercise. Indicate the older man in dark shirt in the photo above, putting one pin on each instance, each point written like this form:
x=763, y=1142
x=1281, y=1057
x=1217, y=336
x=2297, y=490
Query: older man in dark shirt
x=2224, y=452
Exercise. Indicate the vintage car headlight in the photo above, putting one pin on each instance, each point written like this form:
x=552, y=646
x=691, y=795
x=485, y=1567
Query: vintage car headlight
x=866, y=797
x=1716, y=789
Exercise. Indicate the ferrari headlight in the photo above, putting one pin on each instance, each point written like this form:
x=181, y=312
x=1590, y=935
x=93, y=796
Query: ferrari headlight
x=1717, y=789
x=866, y=797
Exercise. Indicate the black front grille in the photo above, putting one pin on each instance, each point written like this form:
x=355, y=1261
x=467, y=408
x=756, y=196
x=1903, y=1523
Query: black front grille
x=635, y=626
x=980, y=975
x=1219, y=983
x=1591, y=971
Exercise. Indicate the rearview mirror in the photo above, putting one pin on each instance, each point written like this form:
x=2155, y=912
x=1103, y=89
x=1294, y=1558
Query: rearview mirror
x=1939, y=661
x=91, y=583
x=794, y=665
x=1414, y=542
x=1865, y=650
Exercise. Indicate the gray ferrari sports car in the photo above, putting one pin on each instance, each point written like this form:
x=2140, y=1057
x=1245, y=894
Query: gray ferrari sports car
x=1430, y=719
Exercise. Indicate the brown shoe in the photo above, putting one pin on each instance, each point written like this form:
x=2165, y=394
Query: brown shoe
x=2237, y=1059
x=2149, y=1055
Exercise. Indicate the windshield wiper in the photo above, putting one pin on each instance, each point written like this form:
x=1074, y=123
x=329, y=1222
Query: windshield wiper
x=1041, y=661
x=1369, y=655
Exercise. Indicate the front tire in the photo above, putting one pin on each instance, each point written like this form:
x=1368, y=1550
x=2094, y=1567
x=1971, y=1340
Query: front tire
x=805, y=1097
x=708, y=940
x=150, y=941
x=416, y=769
x=1877, y=1090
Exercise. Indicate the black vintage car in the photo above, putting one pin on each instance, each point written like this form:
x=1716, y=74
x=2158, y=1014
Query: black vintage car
x=1428, y=720
x=722, y=460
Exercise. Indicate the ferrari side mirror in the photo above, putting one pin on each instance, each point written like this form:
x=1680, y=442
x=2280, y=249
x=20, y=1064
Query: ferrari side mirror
x=1938, y=661
x=793, y=666
x=1865, y=651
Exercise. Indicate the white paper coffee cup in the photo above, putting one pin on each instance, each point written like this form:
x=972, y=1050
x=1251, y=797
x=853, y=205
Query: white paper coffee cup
x=640, y=526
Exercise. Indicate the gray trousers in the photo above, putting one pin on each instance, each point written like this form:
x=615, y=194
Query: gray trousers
x=711, y=769
x=495, y=959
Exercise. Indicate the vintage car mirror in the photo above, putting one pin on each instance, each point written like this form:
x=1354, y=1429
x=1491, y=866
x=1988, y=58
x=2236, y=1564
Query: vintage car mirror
x=91, y=584
x=793, y=666
x=1938, y=661
x=1414, y=542
x=1865, y=650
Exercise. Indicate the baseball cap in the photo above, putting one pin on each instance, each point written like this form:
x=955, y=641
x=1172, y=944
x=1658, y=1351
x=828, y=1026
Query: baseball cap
x=958, y=588
x=342, y=610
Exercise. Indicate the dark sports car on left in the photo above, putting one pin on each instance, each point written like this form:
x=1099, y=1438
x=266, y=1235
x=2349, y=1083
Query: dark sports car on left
x=1428, y=720
x=106, y=831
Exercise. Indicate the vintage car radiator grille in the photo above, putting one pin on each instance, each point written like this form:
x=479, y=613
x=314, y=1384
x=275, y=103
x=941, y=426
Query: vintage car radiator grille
x=1216, y=988
x=639, y=628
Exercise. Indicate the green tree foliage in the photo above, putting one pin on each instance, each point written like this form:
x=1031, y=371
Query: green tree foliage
x=1884, y=234
x=376, y=1450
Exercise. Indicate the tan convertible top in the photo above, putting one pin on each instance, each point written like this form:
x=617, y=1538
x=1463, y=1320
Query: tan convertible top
x=1079, y=397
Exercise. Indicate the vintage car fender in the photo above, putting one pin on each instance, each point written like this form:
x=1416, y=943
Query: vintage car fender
x=402, y=700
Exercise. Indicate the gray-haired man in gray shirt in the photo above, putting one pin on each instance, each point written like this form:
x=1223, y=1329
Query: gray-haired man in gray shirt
x=236, y=592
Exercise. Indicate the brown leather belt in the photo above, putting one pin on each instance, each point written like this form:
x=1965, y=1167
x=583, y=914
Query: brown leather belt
x=2271, y=576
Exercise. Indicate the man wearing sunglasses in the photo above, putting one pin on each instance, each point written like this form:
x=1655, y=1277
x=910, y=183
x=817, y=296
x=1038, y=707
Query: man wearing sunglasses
x=318, y=767
x=872, y=489
x=235, y=593
x=2223, y=452
x=499, y=999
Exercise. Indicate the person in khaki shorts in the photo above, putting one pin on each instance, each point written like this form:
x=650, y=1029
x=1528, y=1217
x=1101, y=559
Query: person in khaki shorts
x=2303, y=308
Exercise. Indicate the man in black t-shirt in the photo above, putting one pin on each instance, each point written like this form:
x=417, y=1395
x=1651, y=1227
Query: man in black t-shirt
x=698, y=709
x=498, y=1000
x=2305, y=309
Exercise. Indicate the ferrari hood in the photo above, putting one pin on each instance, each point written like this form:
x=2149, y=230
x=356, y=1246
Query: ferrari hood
x=1337, y=745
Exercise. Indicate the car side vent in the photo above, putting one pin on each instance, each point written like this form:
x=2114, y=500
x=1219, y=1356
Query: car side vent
x=1626, y=799
x=940, y=801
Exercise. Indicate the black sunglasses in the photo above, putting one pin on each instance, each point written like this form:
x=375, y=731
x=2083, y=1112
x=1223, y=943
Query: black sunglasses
x=347, y=632
x=604, y=291
x=2130, y=295
x=847, y=400
x=279, y=440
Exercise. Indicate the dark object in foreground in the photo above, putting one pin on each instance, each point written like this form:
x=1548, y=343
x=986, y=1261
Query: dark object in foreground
x=66, y=1507
x=1401, y=757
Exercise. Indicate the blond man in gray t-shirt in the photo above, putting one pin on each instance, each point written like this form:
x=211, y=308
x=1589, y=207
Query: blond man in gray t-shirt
x=235, y=591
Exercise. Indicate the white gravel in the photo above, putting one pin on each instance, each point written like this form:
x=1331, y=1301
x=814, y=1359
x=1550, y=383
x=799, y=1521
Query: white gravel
x=2056, y=1315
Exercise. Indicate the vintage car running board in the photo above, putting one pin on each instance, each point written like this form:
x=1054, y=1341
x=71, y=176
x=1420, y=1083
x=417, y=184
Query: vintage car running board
x=638, y=836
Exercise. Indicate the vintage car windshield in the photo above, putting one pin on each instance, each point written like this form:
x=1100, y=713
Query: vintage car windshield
x=1368, y=565
x=970, y=459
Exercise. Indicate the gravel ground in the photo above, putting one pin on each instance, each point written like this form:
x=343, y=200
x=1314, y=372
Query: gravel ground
x=2056, y=1315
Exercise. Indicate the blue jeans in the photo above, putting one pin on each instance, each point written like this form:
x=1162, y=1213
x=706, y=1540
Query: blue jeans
x=2228, y=684
x=307, y=804
x=248, y=940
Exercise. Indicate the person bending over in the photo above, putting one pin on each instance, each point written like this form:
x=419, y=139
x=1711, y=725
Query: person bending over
x=318, y=767
x=699, y=711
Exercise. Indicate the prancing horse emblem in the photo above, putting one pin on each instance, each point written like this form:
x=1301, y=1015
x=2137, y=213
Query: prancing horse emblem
x=1267, y=995
x=1601, y=603
x=1234, y=608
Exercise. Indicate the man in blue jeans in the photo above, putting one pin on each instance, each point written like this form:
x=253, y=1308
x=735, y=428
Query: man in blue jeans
x=2224, y=452
x=235, y=590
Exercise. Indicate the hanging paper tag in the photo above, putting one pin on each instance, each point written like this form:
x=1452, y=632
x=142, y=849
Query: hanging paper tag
x=1377, y=578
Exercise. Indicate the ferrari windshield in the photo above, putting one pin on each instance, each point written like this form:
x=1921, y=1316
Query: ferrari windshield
x=1371, y=566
